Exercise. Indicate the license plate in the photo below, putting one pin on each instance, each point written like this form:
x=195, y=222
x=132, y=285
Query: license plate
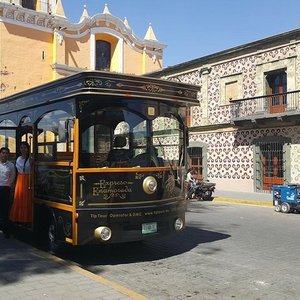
x=149, y=228
x=276, y=202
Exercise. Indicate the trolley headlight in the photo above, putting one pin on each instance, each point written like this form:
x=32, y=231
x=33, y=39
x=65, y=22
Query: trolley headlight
x=150, y=185
x=103, y=233
x=178, y=224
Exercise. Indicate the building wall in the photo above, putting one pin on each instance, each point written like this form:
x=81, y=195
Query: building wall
x=75, y=52
x=230, y=156
x=295, y=160
x=17, y=53
x=134, y=59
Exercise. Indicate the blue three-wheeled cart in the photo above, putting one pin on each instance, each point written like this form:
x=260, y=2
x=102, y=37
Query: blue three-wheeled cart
x=286, y=198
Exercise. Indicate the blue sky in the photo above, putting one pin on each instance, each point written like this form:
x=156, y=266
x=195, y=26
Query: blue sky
x=195, y=28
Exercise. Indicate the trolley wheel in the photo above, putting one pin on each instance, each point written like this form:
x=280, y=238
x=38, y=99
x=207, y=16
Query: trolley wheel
x=53, y=245
x=285, y=208
x=277, y=208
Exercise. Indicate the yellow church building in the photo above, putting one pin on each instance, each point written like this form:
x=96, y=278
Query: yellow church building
x=39, y=44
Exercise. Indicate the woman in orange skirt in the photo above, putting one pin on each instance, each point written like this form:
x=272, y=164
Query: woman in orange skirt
x=21, y=211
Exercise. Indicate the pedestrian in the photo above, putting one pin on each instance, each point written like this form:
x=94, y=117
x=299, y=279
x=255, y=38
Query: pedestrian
x=7, y=179
x=191, y=183
x=21, y=211
x=189, y=176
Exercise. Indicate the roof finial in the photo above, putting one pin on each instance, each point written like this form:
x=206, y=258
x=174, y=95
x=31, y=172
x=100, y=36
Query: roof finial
x=59, y=9
x=150, y=35
x=106, y=10
x=126, y=23
x=85, y=14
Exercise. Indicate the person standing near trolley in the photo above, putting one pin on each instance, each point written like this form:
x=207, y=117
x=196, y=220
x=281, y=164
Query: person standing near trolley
x=191, y=181
x=7, y=178
x=21, y=211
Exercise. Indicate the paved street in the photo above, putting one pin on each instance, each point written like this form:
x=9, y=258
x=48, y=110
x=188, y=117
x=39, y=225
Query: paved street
x=228, y=251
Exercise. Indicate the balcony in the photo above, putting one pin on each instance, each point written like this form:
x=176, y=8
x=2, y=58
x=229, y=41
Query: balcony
x=276, y=110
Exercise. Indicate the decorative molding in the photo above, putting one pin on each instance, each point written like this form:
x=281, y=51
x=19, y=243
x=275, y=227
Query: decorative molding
x=18, y=15
x=65, y=69
x=205, y=70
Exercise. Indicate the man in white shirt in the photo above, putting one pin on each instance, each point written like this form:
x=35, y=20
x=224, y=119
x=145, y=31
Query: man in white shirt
x=191, y=183
x=189, y=176
x=7, y=179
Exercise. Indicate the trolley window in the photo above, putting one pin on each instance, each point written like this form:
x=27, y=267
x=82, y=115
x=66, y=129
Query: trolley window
x=117, y=137
x=55, y=136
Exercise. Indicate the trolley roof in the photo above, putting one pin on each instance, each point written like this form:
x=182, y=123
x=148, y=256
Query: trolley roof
x=102, y=83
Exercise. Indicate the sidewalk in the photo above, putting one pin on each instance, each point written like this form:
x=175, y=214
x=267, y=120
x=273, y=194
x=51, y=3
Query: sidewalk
x=263, y=199
x=28, y=273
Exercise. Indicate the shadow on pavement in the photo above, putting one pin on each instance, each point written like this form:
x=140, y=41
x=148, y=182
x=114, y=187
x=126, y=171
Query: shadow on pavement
x=19, y=260
x=156, y=249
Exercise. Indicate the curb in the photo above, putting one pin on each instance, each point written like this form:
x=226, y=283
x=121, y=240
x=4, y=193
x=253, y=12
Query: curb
x=115, y=287
x=241, y=201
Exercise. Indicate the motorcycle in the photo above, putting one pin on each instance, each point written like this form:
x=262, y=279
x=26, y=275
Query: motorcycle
x=201, y=190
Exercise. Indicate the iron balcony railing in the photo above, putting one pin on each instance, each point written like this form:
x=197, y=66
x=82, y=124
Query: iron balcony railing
x=266, y=106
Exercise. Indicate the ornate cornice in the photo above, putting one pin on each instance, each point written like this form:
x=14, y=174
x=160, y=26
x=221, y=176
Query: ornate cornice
x=18, y=15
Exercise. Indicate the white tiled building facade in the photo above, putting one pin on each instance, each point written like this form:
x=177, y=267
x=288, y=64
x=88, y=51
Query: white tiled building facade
x=245, y=133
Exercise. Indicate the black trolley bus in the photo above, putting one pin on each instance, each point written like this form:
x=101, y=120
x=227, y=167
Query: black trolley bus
x=109, y=154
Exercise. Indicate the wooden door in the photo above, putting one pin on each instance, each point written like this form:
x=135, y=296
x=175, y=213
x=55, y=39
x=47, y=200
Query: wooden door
x=272, y=165
x=196, y=162
x=277, y=87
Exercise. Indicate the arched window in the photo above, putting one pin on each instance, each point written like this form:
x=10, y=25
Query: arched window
x=103, y=55
x=25, y=131
x=56, y=137
x=8, y=135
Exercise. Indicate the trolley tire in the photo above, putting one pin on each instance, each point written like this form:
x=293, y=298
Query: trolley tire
x=285, y=208
x=53, y=245
x=277, y=208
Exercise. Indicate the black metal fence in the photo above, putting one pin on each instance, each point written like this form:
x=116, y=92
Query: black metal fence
x=288, y=102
